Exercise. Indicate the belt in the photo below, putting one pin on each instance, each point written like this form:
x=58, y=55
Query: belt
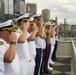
x=30, y=60
x=39, y=49
x=24, y=60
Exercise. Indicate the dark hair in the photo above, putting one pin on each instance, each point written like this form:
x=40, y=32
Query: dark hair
x=19, y=22
x=53, y=26
x=56, y=28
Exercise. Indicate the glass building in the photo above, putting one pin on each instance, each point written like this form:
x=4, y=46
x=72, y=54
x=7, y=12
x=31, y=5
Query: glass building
x=31, y=8
x=11, y=8
x=2, y=18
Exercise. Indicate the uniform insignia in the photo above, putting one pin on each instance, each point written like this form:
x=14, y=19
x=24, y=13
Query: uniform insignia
x=13, y=24
x=1, y=42
x=18, y=31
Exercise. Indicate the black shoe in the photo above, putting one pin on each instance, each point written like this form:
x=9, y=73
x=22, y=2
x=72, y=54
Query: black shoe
x=50, y=65
x=54, y=59
x=47, y=72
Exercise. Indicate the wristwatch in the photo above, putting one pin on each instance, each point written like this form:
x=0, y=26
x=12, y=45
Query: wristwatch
x=13, y=43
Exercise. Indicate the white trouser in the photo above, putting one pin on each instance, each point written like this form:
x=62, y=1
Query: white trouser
x=12, y=68
x=31, y=67
x=51, y=52
x=24, y=67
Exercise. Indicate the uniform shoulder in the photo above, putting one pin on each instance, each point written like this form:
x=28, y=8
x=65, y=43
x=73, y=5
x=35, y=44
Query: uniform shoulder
x=18, y=31
x=1, y=42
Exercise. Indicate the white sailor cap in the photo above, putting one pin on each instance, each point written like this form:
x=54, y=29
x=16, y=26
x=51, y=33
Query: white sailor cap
x=53, y=23
x=23, y=17
x=48, y=23
x=32, y=21
x=37, y=16
x=8, y=26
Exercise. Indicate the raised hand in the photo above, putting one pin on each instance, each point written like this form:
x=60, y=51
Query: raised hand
x=25, y=26
x=34, y=27
x=39, y=22
x=13, y=37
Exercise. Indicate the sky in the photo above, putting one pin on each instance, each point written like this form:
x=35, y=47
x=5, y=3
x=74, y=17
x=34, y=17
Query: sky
x=60, y=8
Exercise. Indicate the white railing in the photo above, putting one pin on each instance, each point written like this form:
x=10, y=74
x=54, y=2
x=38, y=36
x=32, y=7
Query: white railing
x=67, y=49
x=64, y=48
x=74, y=57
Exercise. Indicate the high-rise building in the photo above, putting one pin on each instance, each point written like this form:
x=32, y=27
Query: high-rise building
x=2, y=18
x=31, y=8
x=46, y=14
x=65, y=28
x=20, y=7
x=56, y=21
x=10, y=8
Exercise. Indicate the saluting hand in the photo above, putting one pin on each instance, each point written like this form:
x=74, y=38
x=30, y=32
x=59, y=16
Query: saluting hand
x=13, y=37
x=39, y=22
x=34, y=27
x=26, y=25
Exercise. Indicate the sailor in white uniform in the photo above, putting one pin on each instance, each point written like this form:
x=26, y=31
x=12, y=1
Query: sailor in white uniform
x=52, y=46
x=1, y=58
x=32, y=47
x=56, y=44
x=47, y=68
x=39, y=44
x=9, y=64
x=22, y=45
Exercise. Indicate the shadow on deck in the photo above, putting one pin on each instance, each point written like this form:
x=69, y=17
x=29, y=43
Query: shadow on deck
x=61, y=67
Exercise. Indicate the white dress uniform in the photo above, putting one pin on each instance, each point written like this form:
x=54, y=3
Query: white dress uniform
x=10, y=68
x=24, y=56
x=56, y=38
x=2, y=52
x=32, y=50
x=38, y=41
x=52, y=48
x=44, y=44
x=39, y=44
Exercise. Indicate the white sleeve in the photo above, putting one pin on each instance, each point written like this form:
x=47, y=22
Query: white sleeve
x=18, y=35
x=2, y=52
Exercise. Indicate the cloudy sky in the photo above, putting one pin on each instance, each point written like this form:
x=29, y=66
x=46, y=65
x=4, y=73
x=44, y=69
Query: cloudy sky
x=60, y=8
